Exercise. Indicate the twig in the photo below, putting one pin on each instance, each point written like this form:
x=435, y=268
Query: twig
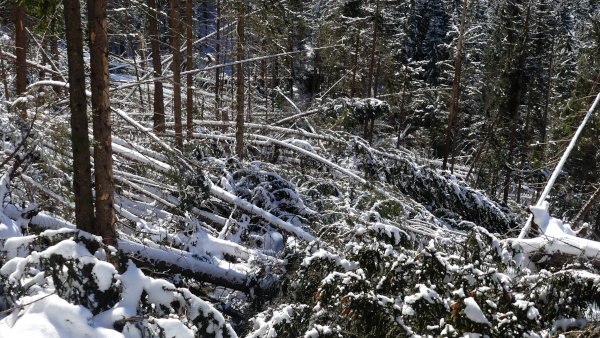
x=24, y=305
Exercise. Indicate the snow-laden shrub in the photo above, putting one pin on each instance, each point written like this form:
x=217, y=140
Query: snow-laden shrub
x=64, y=266
x=374, y=287
x=348, y=113
x=270, y=192
x=441, y=192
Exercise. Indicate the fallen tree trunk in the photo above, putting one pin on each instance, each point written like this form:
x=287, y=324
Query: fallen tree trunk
x=437, y=191
x=566, y=245
x=163, y=259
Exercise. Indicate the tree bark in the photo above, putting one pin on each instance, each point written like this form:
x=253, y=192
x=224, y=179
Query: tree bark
x=4, y=81
x=20, y=49
x=189, y=106
x=587, y=207
x=104, y=186
x=20, y=53
x=355, y=65
x=515, y=92
x=274, y=81
x=263, y=75
x=176, y=68
x=45, y=60
x=251, y=83
x=218, y=59
x=82, y=169
x=291, y=80
x=453, y=114
x=401, y=114
x=239, y=133
x=159, y=105
x=55, y=58
x=370, y=88
x=543, y=133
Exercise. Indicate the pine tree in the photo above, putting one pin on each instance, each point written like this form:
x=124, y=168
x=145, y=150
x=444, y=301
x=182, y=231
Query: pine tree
x=21, y=53
x=176, y=69
x=82, y=176
x=158, y=117
x=239, y=134
x=101, y=118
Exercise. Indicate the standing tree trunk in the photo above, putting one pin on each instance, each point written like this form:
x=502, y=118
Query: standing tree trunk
x=20, y=52
x=401, y=114
x=104, y=186
x=159, y=104
x=543, y=132
x=251, y=83
x=291, y=80
x=263, y=75
x=515, y=92
x=45, y=60
x=274, y=80
x=587, y=207
x=189, y=106
x=453, y=115
x=371, y=84
x=239, y=121
x=82, y=169
x=4, y=82
x=176, y=68
x=355, y=65
x=218, y=59
x=55, y=59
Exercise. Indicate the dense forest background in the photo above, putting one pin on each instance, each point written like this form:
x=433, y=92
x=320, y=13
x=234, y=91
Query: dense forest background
x=274, y=165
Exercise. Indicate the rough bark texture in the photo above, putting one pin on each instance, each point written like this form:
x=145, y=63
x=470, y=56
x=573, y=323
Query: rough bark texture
x=159, y=105
x=82, y=169
x=55, y=58
x=4, y=79
x=263, y=75
x=371, y=84
x=175, y=67
x=514, y=95
x=453, y=114
x=355, y=65
x=239, y=133
x=189, y=106
x=104, y=186
x=45, y=60
x=587, y=207
x=217, y=60
x=20, y=52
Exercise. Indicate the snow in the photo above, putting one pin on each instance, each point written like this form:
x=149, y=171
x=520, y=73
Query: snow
x=103, y=272
x=276, y=221
x=317, y=331
x=473, y=311
x=52, y=317
x=424, y=293
x=274, y=241
x=323, y=254
x=15, y=246
x=8, y=228
x=266, y=328
x=174, y=328
x=549, y=225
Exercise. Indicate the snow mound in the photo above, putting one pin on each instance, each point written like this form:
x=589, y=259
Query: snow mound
x=473, y=311
x=48, y=316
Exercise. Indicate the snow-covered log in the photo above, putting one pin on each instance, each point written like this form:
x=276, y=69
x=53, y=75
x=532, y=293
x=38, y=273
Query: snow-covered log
x=272, y=219
x=186, y=265
x=311, y=155
x=556, y=238
x=163, y=259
